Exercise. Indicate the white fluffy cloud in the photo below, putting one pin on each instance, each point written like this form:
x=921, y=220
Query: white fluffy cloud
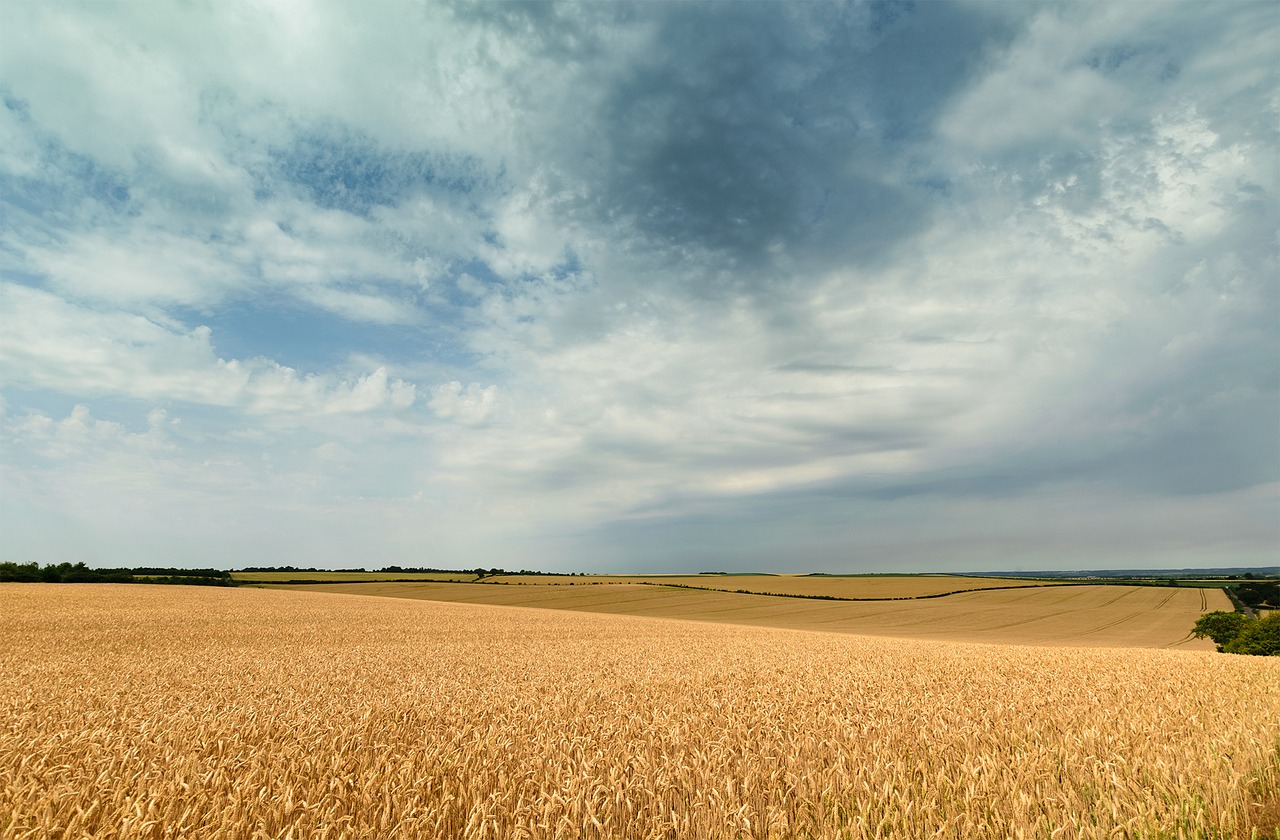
x=52, y=344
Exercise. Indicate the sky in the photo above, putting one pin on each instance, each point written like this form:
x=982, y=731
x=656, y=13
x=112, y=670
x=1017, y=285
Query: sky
x=654, y=287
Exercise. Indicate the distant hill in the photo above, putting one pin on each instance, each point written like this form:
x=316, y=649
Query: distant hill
x=1223, y=572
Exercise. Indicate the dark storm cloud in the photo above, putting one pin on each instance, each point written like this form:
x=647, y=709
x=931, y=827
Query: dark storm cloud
x=771, y=129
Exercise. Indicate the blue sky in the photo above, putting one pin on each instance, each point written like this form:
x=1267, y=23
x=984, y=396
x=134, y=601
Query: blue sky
x=641, y=287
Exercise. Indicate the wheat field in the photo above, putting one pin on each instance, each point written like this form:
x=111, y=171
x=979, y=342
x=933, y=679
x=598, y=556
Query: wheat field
x=852, y=586
x=158, y=712
x=1077, y=616
x=833, y=586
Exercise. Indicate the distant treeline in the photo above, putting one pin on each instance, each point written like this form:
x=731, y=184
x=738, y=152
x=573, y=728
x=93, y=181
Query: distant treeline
x=293, y=569
x=1231, y=573
x=412, y=570
x=80, y=573
x=478, y=572
x=1265, y=594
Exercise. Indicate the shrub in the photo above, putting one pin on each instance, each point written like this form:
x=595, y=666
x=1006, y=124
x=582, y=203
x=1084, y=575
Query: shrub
x=1257, y=638
x=1220, y=626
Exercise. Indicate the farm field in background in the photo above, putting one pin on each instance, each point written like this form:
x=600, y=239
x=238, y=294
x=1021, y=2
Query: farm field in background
x=1079, y=615
x=181, y=712
x=836, y=586
x=860, y=586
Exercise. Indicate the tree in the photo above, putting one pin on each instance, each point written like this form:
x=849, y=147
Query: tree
x=1259, y=594
x=1257, y=638
x=1222, y=627
x=23, y=572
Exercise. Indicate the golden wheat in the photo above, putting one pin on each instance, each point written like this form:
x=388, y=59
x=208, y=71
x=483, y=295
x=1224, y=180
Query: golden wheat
x=131, y=711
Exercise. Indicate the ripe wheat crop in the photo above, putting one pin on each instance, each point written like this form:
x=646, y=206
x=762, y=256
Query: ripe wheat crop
x=176, y=712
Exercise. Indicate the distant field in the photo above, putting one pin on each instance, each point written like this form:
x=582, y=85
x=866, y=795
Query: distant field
x=174, y=712
x=820, y=586
x=1118, y=616
x=869, y=586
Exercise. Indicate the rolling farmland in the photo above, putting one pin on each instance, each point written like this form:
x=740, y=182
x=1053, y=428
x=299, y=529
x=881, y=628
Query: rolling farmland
x=830, y=586
x=827, y=586
x=134, y=711
x=1078, y=615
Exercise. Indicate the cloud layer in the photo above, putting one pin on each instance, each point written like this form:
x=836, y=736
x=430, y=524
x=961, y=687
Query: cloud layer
x=797, y=287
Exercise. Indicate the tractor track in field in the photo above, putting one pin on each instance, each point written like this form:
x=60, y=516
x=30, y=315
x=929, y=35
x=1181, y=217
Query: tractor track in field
x=1122, y=619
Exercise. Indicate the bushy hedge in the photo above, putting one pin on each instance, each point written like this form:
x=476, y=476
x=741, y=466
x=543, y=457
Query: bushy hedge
x=80, y=573
x=1264, y=594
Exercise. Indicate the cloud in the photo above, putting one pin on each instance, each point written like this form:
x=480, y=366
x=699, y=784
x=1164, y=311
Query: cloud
x=80, y=434
x=339, y=170
x=470, y=406
x=177, y=489
x=153, y=269
x=915, y=283
x=51, y=344
x=362, y=306
x=771, y=141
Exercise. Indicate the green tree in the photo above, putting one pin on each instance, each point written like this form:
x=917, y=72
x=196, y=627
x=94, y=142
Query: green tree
x=1257, y=638
x=23, y=572
x=1222, y=627
x=1259, y=594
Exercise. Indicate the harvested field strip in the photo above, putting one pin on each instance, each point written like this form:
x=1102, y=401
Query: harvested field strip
x=1079, y=615
x=255, y=713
